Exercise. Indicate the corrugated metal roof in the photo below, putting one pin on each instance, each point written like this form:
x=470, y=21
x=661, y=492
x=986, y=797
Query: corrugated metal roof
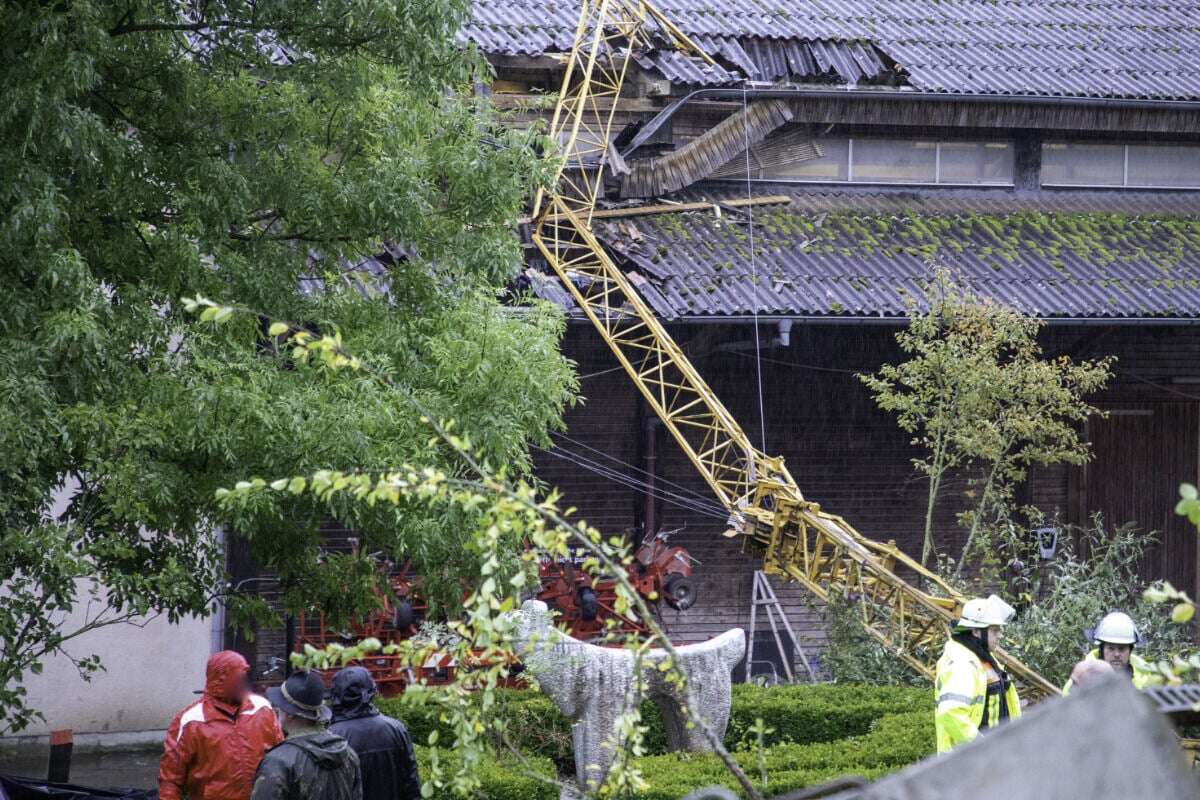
x=1087, y=48
x=864, y=253
x=769, y=60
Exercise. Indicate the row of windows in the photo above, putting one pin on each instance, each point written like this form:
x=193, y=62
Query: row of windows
x=900, y=161
x=1120, y=165
x=857, y=160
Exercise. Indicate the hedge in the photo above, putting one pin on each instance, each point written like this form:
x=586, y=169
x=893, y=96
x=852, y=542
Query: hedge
x=894, y=741
x=802, y=714
x=500, y=779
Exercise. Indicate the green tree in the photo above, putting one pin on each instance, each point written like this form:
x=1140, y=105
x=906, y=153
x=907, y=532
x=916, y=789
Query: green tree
x=1181, y=666
x=978, y=395
x=244, y=149
x=499, y=511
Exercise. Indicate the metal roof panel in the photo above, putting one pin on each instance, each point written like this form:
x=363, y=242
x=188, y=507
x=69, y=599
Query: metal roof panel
x=865, y=252
x=1120, y=48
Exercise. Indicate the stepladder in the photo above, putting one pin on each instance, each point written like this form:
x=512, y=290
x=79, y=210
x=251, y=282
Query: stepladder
x=763, y=596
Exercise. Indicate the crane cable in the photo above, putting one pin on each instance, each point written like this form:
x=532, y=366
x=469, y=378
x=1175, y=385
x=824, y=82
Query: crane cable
x=754, y=284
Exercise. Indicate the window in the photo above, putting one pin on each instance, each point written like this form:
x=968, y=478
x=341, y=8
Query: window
x=830, y=165
x=888, y=161
x=975, y=162
x=1083, y=165
x=880, y=161
x=1163, y=166
x=1132, y=165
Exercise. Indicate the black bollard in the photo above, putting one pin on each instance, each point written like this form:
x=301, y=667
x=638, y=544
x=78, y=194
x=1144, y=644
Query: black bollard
x=61, y=744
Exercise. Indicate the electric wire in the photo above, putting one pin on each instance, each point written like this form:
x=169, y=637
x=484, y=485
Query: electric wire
x=600, y=372
x=638, y=485
x=1161, y=386
x=798, y=365
x=700, y=498
x=699, y=504
x=814, y=367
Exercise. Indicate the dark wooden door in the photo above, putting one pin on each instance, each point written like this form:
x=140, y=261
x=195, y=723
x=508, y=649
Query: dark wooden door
x=1142, y=452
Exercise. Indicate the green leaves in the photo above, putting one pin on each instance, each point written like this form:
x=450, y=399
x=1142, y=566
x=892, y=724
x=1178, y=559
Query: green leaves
x=1178, y=668
x=137, y=174
x=1189, y=504
x=978, y=395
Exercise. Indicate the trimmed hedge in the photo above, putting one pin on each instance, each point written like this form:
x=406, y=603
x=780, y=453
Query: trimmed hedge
x=802, y=714
x=500, y=779
x=535, y=725
x=894, y=741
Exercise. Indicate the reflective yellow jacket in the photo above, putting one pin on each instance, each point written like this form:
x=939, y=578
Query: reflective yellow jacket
x=1142, y=674
x=960, y=691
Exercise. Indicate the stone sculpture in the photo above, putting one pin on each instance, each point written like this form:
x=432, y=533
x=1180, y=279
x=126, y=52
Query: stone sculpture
x=593, y=686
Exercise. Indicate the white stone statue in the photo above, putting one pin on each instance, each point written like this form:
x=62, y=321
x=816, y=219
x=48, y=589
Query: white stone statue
x=592, y=686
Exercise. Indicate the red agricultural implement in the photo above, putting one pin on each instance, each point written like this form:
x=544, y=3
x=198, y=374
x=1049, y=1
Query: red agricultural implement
x=661, y=572
x=586, y=603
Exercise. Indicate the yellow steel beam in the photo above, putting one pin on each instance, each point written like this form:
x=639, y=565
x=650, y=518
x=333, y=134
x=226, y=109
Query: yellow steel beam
x=908, y=613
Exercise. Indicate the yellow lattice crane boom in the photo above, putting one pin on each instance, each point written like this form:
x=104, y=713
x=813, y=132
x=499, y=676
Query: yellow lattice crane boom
x=902, y=604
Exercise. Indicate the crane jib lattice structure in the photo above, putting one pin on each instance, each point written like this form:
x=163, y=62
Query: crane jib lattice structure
x=796, y=539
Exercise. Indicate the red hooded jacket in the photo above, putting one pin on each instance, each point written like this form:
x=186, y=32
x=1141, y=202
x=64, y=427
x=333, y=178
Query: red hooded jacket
x=214, y=745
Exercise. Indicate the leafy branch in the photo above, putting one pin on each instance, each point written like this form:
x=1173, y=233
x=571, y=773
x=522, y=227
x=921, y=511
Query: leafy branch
x=1184, y=609
x=508, y=510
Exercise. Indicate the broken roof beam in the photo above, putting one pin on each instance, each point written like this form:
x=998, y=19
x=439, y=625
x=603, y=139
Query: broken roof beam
x=704, y=155
x=676, y=208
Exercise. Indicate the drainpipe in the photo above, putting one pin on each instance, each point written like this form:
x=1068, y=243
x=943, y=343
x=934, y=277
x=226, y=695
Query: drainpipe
x=650, y=515
x=784, y=339
x=217, y=630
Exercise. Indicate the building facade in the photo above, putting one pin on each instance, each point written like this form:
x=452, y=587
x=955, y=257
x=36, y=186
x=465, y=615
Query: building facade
x=779, y=207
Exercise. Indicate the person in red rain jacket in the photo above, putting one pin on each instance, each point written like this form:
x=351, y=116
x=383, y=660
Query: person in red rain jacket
x=214, y=745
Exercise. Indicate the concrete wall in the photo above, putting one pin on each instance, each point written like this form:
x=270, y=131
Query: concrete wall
x=150, y=675
x=151, y=670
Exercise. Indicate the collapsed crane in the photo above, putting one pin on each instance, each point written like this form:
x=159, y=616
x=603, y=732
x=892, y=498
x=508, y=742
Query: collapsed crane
x=797, y=540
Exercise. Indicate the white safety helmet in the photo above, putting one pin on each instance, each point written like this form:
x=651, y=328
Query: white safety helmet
x=979, y=612
x=1117, y=628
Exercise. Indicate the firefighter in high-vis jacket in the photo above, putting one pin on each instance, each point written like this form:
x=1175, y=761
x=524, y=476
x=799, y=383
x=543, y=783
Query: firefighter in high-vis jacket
x=973, y=694
x=1115, y=638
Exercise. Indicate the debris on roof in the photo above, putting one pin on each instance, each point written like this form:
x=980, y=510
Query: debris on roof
x=855, y=254
x=707, y=153
x=1068, y=48
x=774, y=60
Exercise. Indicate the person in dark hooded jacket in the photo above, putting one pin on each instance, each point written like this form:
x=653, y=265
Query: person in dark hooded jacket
x=311, y=763
x=384, y=748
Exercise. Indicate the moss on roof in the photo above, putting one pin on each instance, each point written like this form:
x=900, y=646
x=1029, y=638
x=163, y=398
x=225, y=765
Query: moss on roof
x=998, y=240
x=865, y=261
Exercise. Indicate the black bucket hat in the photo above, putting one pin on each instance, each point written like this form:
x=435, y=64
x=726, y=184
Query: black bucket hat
x=301, y=695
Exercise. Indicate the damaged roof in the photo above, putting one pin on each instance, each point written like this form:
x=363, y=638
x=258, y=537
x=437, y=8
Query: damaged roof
x=1144, y=49
x=863, y=253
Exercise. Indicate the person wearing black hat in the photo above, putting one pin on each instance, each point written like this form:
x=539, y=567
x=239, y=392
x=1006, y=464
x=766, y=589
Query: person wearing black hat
x=383, y=746
x=311, y=763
